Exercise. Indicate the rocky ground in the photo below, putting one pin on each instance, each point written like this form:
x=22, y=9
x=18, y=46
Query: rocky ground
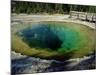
x=22, y=64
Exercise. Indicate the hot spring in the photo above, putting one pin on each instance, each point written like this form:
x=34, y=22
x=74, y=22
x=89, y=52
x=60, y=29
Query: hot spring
x=59, y=37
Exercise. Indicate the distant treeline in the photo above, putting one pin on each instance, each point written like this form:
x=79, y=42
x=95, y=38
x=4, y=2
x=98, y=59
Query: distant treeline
x=50, y=8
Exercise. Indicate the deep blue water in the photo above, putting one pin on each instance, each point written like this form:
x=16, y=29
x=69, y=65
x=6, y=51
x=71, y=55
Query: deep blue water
x=49, y=36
